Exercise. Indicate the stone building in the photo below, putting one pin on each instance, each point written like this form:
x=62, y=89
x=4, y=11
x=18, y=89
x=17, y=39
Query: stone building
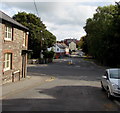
x=13, y=49
x=71, y=43
x=72, y=46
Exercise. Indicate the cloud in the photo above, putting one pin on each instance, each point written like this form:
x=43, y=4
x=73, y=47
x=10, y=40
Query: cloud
x=63, y=19
x=62, y=1
x=66, y=31
x=68, y=20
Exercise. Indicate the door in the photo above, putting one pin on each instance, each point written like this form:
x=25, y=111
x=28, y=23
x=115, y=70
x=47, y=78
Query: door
x=105, y=80
x=23, y=66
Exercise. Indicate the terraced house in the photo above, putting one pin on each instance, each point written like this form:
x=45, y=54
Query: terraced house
x=13, y=49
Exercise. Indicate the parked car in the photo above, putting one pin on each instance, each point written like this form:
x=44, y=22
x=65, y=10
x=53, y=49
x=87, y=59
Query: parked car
x=81, y=54
x=67, y=55
x=110, y=82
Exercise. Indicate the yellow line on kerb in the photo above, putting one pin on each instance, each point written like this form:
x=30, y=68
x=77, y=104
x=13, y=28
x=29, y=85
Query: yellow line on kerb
x=50, y=79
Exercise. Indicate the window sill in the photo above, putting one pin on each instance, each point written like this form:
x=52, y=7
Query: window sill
x=7, y=69
x=7, y=39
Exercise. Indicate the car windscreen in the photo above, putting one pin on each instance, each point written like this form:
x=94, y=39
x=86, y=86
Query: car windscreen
x=115, y=74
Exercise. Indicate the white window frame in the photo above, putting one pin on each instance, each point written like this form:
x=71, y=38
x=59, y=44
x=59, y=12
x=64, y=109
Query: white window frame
x=7, y=32
x=7, y=61
x=24, y=39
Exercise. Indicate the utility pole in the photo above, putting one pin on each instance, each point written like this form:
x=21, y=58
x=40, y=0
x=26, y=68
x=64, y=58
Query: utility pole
x=40, y=44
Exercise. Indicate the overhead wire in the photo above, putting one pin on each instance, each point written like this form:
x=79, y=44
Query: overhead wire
x=36, y=8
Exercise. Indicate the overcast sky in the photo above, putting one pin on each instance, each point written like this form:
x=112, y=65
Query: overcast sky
x=64, y=18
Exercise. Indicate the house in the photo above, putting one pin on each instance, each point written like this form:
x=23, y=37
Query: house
x=72, y=46
x=66, y=48
x=13, y=49
x=60, y=49
x=71, y=43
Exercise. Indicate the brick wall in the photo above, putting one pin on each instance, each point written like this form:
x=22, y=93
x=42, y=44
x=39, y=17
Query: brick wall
x=15, y=47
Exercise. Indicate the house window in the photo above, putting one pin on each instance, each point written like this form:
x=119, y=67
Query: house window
x=8, y=33
x=7, y=61
x=57, y=49
x=24, y=39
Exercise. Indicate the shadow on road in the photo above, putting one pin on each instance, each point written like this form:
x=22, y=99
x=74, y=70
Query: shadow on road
x=63, y=98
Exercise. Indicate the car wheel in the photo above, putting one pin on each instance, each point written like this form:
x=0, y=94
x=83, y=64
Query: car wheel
x=103, y=89
x=108, y=94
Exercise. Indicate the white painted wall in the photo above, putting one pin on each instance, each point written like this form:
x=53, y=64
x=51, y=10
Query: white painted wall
x=56, y=49
x=72, y=46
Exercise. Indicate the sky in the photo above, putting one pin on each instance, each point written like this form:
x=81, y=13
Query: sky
x=64, y=18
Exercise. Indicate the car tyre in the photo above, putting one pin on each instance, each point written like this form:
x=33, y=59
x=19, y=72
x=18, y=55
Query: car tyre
x=109, y=95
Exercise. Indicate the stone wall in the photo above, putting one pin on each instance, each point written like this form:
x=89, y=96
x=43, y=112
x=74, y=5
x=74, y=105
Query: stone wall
x=15, y=47
x=1, y=57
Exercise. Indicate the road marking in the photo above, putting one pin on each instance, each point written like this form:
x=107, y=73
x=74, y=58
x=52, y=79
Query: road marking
x=42, y=74
x=118, y=103
x=35, y=65
x=51, y=79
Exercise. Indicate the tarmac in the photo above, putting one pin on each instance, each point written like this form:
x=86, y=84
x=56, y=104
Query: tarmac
x=25, y=83
x=11, y=88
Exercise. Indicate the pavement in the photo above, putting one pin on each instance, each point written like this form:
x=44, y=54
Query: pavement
x=26, y=83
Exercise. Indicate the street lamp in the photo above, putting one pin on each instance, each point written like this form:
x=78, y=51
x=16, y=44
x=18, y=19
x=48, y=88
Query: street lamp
x=40, y=44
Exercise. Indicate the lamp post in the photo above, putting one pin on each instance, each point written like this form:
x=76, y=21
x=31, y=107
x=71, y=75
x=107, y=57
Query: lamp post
x=40, y=44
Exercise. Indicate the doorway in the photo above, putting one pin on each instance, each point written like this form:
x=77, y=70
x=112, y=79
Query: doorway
x=23, y=66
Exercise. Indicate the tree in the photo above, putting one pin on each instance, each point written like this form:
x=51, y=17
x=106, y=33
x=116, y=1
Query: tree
x=83, y=44
x=39, y=37
x=103, y=36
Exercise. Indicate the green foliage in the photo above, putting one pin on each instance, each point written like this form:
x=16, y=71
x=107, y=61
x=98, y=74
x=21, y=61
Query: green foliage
x=103, y=36
x=83, y=44
x=48, y=54
x=39, y=37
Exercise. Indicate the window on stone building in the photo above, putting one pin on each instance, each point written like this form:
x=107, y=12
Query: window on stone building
x=8, y=33
x=57, y=49
x=7, y=61
x=24, y=39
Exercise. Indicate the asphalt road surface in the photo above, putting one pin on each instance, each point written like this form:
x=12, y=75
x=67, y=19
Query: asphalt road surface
x=73, y=87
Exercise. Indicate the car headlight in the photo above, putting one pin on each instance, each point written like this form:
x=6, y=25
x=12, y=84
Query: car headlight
x=115, y=86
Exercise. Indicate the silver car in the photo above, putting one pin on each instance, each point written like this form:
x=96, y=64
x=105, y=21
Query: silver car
x=111, y=82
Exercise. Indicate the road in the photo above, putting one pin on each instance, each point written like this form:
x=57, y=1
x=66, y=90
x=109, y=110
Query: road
x=74, y=87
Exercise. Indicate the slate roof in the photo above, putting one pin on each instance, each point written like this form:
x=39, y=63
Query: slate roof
x=62, y=45
x=8, y=19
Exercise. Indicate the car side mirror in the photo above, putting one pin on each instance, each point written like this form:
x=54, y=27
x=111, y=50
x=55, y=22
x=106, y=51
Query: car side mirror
x=104, y=77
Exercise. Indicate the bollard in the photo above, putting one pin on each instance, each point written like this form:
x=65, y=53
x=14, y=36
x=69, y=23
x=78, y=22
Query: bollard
x=70, y=62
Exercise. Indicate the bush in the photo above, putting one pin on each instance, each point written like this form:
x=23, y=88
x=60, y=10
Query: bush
x=48, y=54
